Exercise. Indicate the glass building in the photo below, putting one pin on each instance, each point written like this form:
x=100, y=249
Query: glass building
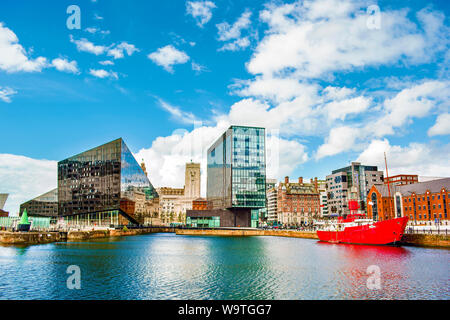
x=101, y=186
x=45, y=205
x=237, y=169
x=236, y=180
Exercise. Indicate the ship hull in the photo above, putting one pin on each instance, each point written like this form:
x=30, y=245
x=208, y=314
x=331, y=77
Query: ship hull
x=377, y=233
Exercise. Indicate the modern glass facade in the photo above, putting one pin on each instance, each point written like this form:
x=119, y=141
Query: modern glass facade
x=203, y=222
x=237, y=169
x=37, y=223
x=102, y=179
x=45, y=205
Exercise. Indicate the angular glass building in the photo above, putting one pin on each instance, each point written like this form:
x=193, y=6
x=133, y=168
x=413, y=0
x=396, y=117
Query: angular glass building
x=236, y=179
x=45, y=205
x=100, y=186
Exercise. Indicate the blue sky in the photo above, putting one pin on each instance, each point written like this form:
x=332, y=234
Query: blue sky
x=329, y=82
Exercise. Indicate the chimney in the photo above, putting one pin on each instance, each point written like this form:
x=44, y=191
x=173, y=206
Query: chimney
x=316, y=185
x=286, y=179
x=300, y=180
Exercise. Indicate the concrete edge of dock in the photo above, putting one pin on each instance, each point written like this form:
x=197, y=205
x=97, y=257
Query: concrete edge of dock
x=247, y=232
x=42, y=237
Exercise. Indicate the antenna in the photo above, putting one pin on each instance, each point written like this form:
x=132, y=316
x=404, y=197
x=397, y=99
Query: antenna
x=389, y=188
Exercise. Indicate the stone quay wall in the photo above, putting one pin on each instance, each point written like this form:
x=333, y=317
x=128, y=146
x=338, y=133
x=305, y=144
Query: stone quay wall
x=7, y=237
x=247, y=232
x=29, y=238
x=427, y=240
x=96, y=234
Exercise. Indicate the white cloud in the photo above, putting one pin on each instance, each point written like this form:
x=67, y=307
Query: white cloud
x=315, y=38
x=340, y=139
x=337, y=93
x=341, y=109
x=442, y=125
x=6, y=93
x=87, y=46
x=177, y=113
x=106, y=63
x=13, y=57
x=236, y=45
x=101, y=73
x=25, y=178
x=198, y=68
x=283, y=156
x=91, y=30
x=94, y=30
x=414, y=102
x=233, y=32
x=273, y=89
x=201, y=11
x=415, y=158
x=64, y=65
x=117, y=52
x=168, y=56
x=227, y=32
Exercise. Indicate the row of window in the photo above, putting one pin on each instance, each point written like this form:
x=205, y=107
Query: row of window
x=432, y=197
x=435, y=216
x=424, y=207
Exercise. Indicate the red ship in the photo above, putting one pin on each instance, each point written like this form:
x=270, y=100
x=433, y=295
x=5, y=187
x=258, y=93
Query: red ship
x=357, y=229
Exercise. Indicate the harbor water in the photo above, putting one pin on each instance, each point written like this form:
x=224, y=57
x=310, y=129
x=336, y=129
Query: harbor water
x=169, y=266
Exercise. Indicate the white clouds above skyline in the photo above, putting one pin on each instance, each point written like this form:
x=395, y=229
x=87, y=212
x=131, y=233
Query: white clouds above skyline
x=414, y=158
x=168, y=56
x=313, y=38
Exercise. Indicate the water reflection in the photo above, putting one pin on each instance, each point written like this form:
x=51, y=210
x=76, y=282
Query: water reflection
x=166, y=266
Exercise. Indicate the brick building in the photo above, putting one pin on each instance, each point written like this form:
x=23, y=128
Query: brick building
x=402, y=179
x=297, y=202
x=200, y=204
x=424, y=202
x=380, y=206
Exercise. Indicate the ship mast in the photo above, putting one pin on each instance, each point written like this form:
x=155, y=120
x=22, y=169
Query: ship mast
x=389, y=188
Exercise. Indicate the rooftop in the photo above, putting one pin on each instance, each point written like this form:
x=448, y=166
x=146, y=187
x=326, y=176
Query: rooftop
x=421, y=187
x=418, y=188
